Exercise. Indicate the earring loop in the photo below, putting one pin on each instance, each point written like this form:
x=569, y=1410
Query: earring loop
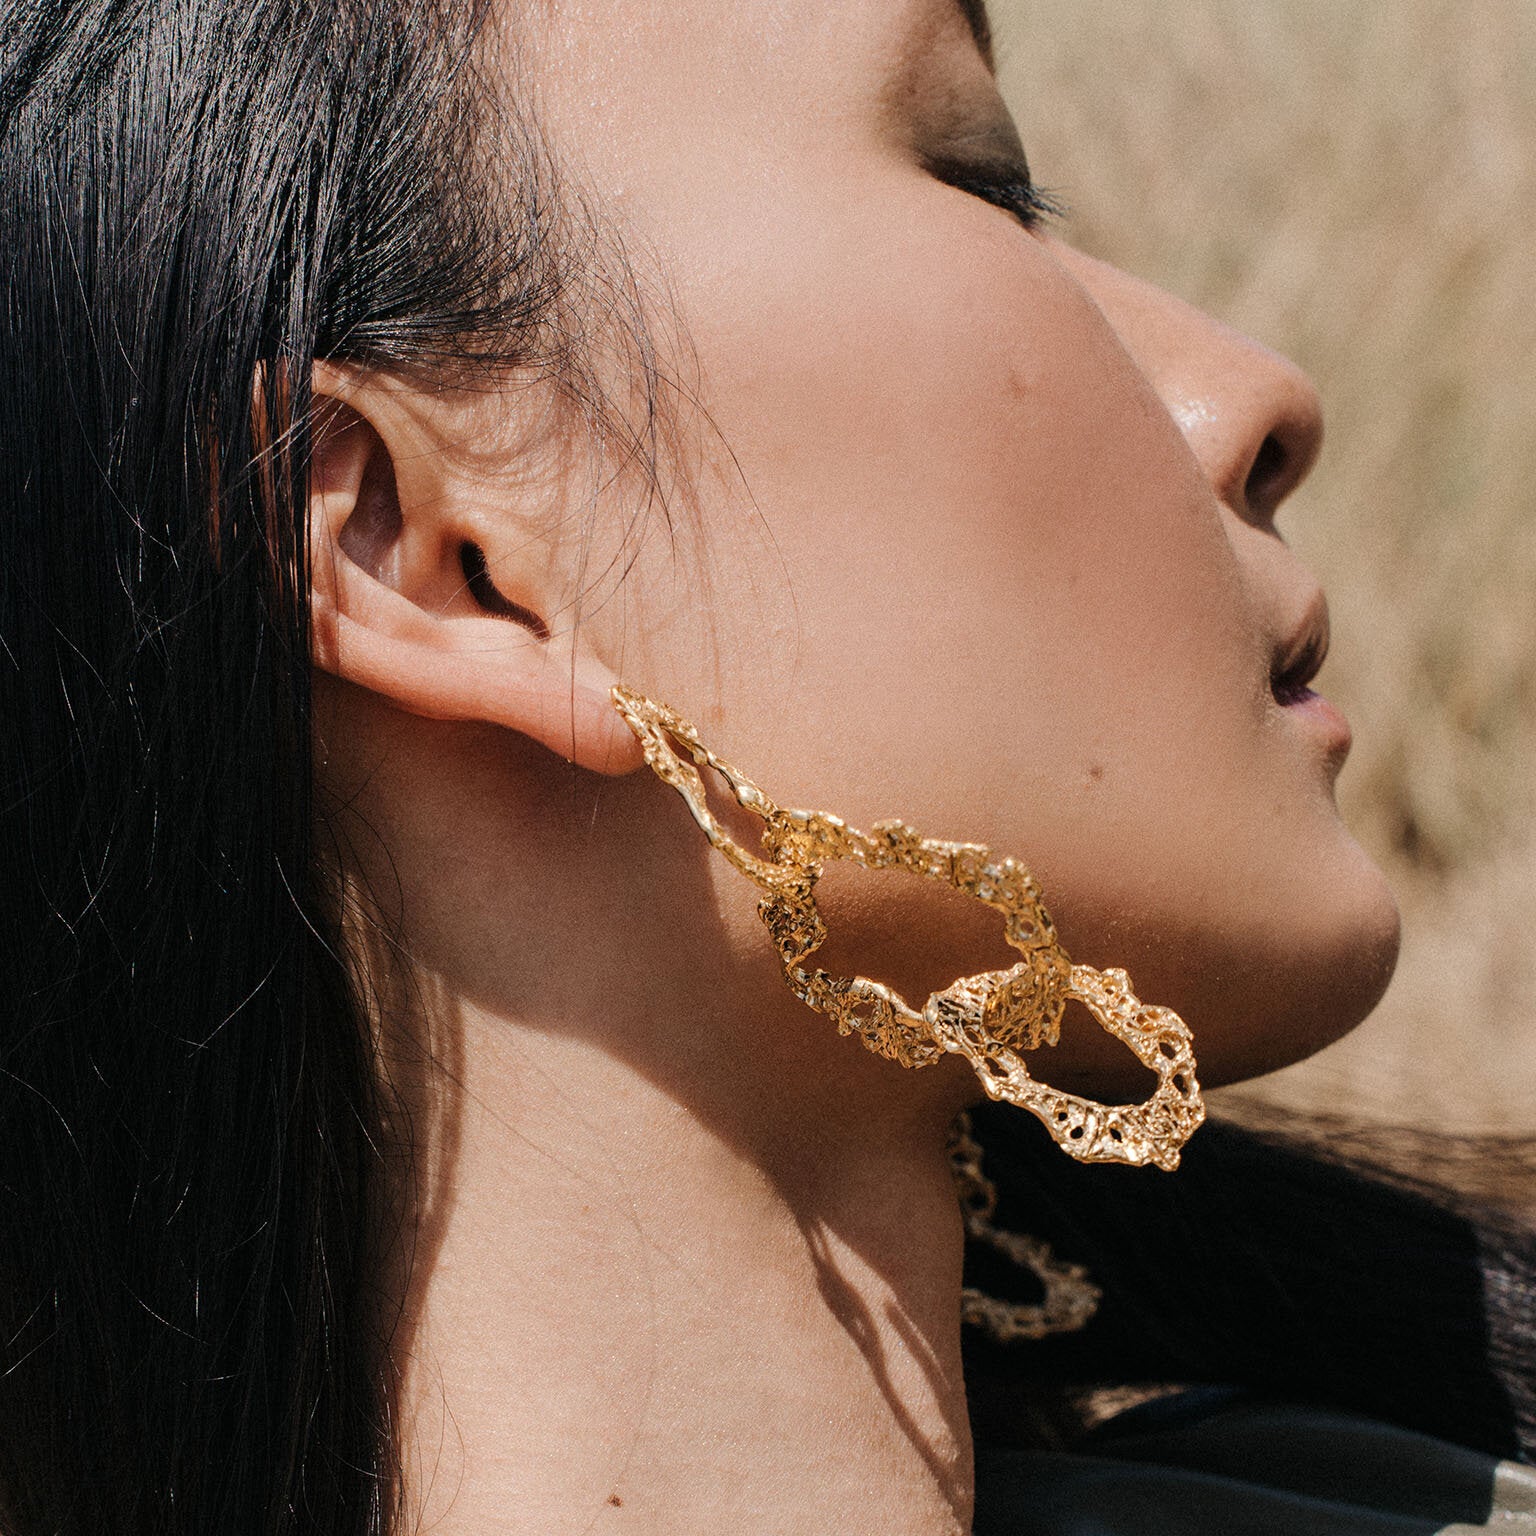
x=991, y=1018
x=1069, y=1300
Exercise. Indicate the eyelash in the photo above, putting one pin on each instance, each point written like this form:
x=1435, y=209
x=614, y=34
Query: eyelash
x=1018, y=196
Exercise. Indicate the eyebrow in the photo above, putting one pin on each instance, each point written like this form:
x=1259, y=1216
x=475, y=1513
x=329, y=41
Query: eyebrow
x=976, y=18
x=931, y=22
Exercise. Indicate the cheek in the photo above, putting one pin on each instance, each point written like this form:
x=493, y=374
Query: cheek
x=981, y=584
x=986, y=520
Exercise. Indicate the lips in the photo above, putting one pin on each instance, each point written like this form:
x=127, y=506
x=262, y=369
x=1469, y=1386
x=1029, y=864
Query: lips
x=1295, y=665
x=1301, y=658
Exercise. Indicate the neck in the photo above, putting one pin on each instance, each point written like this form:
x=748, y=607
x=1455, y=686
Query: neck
x=617, y=1306
x=672, y=1252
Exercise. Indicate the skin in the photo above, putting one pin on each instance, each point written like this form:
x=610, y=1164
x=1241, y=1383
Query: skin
x=969, y=529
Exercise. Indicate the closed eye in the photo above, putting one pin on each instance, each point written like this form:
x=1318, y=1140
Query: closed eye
x=1012, y=191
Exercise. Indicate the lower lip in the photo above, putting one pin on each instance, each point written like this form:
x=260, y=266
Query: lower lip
x=1323, y=719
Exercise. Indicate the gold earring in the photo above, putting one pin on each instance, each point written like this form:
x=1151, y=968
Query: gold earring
x=1069, y=1299
x=989, y=1018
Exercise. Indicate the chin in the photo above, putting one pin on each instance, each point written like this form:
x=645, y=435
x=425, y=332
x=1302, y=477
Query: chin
x=1257, y=996
x=1316, y=989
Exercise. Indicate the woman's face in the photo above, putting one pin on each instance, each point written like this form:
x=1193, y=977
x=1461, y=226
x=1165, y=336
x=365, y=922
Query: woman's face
x=985, y=530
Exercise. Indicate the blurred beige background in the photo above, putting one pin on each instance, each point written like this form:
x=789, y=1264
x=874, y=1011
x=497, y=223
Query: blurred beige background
x=1356, y=186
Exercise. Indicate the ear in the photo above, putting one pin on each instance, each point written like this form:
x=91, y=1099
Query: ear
x=428, y=594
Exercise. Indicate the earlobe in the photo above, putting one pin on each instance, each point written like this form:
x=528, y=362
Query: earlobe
x=397, y=605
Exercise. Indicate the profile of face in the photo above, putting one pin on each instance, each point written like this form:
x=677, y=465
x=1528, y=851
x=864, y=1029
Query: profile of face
x=977, y=532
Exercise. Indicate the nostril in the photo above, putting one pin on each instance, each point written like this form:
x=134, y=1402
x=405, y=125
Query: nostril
x=1269, y=477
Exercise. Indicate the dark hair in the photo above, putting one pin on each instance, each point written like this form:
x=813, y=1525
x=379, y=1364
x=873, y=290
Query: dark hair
x=197, y=199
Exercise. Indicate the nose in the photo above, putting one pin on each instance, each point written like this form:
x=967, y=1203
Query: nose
x=1251, y=417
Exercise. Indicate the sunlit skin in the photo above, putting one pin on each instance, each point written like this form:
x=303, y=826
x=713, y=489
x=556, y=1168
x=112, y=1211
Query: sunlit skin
x=972, y=530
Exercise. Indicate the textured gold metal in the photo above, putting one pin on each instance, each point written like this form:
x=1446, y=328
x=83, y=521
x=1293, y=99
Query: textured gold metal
x=1070, y=1298
x=990, y=1018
